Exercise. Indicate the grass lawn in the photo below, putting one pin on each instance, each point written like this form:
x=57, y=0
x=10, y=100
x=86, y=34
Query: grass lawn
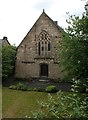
x=18, y=104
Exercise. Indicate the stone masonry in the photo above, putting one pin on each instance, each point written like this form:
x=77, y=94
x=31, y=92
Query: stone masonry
x=37, y=54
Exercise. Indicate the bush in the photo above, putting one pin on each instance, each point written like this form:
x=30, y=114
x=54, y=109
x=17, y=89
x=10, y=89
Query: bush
x=13, y=87
x=20, y=86
x=51, y=89
x=61, y=107
x=80, y=85
x=30, y=89
x=41, y=90
x=24, y=88
x=35, y=89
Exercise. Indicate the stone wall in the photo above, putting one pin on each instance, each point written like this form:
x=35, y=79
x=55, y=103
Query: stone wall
x=28, y=61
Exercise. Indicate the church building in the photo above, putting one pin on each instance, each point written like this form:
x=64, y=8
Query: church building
x=37, y=55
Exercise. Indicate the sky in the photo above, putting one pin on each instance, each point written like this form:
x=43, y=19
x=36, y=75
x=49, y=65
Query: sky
x=18, y=16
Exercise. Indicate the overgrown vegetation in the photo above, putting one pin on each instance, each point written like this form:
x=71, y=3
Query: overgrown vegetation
x=74, y=106
x=69, y=106
x=8, y=60
x=74, y=50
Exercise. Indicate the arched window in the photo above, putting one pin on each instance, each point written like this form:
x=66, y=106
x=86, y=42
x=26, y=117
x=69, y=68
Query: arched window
x=44, y=43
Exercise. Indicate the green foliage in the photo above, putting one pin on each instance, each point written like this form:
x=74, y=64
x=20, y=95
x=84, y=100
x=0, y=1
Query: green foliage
x=39, y=115
x=24, y=87
x=35, y=89
x=13, y=87
x=40, y=89
x=51, y=89
x=19, y=86
x=8, y=60
x=80, y=85
x=62, y=106
x=74, y=49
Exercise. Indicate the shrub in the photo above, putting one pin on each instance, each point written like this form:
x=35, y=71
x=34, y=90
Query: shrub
x=51, y=89
x=35, y=89
x=13, y=87
x=20, y=86
x=30, y=89
x=80, y=85
x=62, y=107
x=41, y=90
x=24, y=88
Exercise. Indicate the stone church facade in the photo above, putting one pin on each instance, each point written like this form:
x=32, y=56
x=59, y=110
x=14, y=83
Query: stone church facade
x=37, y=54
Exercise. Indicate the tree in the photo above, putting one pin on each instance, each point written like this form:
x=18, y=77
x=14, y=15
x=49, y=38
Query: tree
x=74, y=49
x=8, y=60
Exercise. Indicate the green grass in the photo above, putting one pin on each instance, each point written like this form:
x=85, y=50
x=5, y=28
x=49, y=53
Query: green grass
x=18, y=104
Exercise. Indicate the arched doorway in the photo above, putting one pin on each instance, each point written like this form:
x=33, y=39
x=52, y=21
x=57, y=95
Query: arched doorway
x=44, y=69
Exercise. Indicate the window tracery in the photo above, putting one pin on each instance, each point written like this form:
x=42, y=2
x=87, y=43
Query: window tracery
x=44, y=43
